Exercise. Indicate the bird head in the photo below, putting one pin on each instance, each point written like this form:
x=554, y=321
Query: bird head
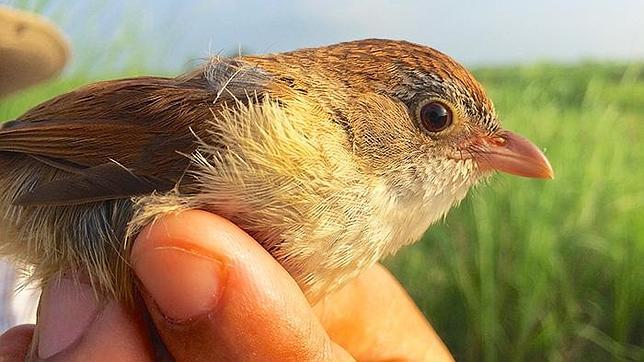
x=413, y=115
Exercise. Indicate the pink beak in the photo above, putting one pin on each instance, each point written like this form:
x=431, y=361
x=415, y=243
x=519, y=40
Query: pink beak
x=508, y=152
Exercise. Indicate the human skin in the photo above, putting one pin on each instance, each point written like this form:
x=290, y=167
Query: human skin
x=213, y=293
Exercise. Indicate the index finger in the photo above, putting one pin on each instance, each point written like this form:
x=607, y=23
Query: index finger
x=374, y=318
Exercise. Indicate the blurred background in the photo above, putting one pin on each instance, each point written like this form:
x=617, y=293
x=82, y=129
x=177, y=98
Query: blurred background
x=521, y=270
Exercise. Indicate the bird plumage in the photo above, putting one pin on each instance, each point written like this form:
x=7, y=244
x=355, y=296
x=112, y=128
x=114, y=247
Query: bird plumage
x=316, y=153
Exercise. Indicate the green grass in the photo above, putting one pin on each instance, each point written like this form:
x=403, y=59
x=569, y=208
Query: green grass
x=534, y=270
x=547, y=270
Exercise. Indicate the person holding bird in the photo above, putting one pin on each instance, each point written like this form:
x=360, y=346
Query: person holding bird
x=329, y=158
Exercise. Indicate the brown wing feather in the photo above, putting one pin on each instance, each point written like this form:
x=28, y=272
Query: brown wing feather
x=103, y=182
x=122, y=138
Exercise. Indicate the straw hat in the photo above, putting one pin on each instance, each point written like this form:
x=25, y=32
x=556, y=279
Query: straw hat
x=32, y=49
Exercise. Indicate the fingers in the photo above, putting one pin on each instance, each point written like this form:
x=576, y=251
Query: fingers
x=74, y=326
x=215, y=294
x=374, y=318
x=15, y=342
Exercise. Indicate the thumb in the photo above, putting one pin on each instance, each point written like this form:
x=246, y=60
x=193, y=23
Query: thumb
x=214, y=293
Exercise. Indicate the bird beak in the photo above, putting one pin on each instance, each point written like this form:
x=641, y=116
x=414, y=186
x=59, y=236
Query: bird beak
x=508, y=152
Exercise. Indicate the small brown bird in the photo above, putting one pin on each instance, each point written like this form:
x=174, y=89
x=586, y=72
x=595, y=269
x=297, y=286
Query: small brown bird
x=329, y=157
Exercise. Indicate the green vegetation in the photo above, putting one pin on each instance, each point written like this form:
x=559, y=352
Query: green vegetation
x=547, y=270
x=525, y=269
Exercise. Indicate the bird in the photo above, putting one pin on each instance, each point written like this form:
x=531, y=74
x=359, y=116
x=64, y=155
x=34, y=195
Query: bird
x=330, y=157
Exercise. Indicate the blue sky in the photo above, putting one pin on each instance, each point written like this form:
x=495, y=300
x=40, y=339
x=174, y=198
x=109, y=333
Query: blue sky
x=167, y=34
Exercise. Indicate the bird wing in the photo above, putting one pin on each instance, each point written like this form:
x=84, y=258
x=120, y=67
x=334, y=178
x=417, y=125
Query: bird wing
x=120, y=138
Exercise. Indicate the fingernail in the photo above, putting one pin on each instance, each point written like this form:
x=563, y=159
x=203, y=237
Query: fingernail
x=184, y=283
x=68, y=306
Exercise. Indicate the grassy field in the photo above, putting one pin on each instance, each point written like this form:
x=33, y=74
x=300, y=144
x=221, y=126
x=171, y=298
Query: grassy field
x=534, y=270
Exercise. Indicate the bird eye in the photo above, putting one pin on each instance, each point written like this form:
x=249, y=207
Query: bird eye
x=435, y=117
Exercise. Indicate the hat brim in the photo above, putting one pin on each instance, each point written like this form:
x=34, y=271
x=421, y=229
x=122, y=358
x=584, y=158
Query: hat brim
x=31, y=50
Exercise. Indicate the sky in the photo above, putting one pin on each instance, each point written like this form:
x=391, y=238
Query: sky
x=170, y=34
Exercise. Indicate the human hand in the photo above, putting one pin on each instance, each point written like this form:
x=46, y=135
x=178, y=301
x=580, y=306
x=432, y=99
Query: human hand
x=213, y=293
